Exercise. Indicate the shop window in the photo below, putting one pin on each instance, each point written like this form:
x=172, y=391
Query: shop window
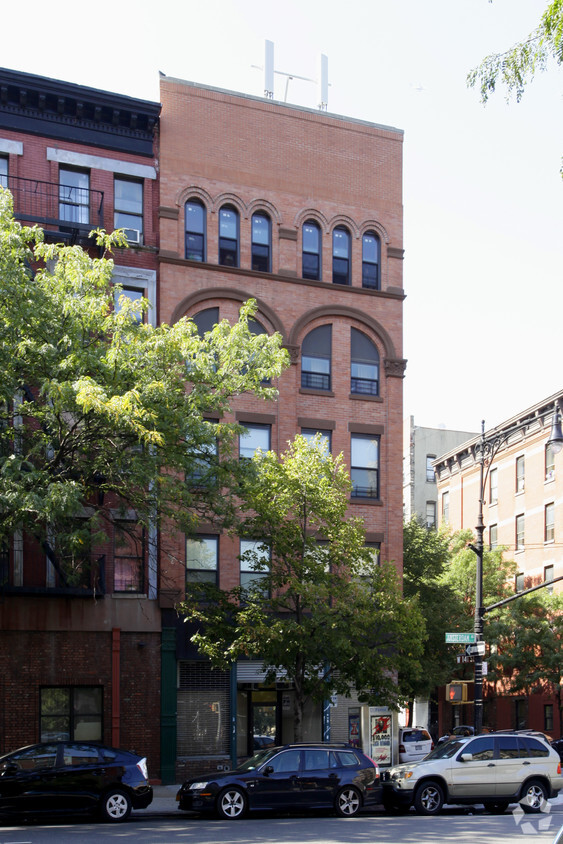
x=364, y=365
x=71, y=713
x=311, y=259
x=316, y=358
x=195, y=230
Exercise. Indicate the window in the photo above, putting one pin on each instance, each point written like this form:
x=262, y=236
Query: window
x=255, y=557
x=205, y=320
x=195, y=230
x=132, y=293
x=430, y=476
x=228, y=236
x=445, y=506
x=364, y=365
x=519, y=584
x=3, y=172
x=548, y=716
x=203, y=471
x=493, y=536
x=493, y=486
x=374, y=551
x=364, y=466
x=341, y=256
x=311, y=251
x=549, y=463
x=74, y=196
x=129, y=555
x=430, y=514
x=520, y=532
x=128, y=208
x=71, y=713
x=370, y=261
x=202, y=558
x=256, y=438
x=261, y=243
x=482, y=748
x=520, y=473
x=315, y=358
x=310, y=434
x=549, y=534
x=548, y=577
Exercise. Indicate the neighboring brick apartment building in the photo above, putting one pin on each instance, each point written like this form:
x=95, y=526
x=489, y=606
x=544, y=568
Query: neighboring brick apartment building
x=523, y=512
x=81, y=663
x=302, y=211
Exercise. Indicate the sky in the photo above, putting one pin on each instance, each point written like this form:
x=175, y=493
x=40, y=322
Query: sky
x=483, y=210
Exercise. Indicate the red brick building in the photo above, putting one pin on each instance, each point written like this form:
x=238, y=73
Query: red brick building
x=302, y=211
x=82, y=663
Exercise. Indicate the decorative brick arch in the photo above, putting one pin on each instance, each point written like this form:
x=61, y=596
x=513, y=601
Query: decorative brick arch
x=329, y=311
x=311, y=214
x=347, y=222
x=230, y=199
x=201, y=296
x=264, y=205
x=374, y=226
x=195, y=192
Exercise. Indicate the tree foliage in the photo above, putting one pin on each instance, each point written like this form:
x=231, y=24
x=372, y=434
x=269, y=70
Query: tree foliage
x=322, y=612
x=99, y=408
x=516, y=67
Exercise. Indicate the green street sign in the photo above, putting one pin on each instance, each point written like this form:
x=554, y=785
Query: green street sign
x=463, y=638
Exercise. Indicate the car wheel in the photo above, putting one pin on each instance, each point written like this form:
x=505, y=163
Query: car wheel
x=429, y=798
x=497, y=808
x=115, y=806
x=534, y=796
x=231, y=804
x=348, y=802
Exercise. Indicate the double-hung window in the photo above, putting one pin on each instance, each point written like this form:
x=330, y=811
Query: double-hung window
x=74, y=196
x=370, y=261
x=549, y=463
x=520, y=532
x=129, y=556
x=228, y=236
x=364, y=365
x=445, y=506
x=493, y=537
x=255, y=558
x=493, y=486
x=430, y=476
x=325, y=437
x=311, y=258
x=520, y=466
x=3, y=171
x=364, y=466
x=195, y=230
x=261, y=259
x=128, y=208
x=316, y=358
x=549, y=533
x=341, y=256
x=71, y=713
x=256, y=438
x=202, y=559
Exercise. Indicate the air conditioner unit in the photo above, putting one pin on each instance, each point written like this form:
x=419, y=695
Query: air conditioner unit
x=133, y=235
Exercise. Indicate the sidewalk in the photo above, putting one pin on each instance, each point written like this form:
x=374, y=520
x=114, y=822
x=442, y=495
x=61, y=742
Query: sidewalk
x=163, y=802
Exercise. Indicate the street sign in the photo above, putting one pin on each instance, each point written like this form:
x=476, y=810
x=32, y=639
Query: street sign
x=459, y=638
x=464, y=658
x=476, y=649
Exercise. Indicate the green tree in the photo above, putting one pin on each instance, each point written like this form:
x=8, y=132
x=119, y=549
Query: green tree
x=320, y=609
x=515, y=68
x=528, y=639
x=426, y=556
x=102, y=414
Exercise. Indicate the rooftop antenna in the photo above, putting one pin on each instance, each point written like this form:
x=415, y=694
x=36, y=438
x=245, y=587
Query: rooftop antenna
x=269, y=72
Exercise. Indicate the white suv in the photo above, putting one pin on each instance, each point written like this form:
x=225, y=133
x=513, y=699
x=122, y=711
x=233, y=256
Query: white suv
x=492, y=769
x=414, y=744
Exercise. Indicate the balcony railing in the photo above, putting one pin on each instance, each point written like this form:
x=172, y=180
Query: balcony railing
x=73, y=211
x=89, y=580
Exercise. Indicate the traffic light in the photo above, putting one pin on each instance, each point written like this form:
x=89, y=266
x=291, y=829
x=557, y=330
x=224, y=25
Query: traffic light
x=456, y=692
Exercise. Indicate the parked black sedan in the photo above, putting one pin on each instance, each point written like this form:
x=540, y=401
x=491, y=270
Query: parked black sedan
x=294, y=777
x=68, y=777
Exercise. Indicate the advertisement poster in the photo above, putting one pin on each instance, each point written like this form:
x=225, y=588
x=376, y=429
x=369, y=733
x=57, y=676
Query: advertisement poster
x=380, y=735
x=354, y=728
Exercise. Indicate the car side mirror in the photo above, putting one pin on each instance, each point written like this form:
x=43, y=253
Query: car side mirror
x=10, y=770
x=466, y=757
x=269, y=769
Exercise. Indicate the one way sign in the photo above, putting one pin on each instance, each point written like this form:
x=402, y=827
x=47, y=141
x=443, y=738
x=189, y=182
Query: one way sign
x=475, y=649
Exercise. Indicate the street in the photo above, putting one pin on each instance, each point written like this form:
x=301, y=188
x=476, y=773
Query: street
x=454, y=825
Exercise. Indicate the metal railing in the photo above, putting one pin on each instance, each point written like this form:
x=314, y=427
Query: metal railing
x=72, y=210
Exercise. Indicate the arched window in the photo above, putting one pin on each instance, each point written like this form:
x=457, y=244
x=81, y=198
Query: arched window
x=364, y=365
x=195, y=230
x=315, y=358
x=205, y=320
x=341, y=256
x=311, y=250
x=261, y=243
x=370, y=261
x=228, y=236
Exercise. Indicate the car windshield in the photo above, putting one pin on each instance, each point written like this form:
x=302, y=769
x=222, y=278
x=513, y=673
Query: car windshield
x=258, y=759
x=447, y=749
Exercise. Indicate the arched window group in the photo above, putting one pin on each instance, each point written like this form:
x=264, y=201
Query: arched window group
x=316, y=362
